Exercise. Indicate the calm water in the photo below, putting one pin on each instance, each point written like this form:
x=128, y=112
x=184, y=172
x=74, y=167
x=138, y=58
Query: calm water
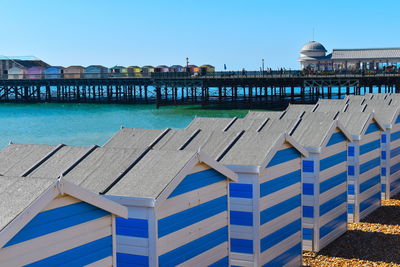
x=87, y=124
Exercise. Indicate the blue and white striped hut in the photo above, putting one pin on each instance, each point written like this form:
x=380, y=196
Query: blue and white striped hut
x=178, y=211
x=390, y=145
x=324, y=174
x=48, y=222
x=265, y=204
x=364, y=161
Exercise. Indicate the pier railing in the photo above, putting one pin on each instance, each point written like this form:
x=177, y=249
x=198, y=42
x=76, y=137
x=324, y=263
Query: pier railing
x=199, y=75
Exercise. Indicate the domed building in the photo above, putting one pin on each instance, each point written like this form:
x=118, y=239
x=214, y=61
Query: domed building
x=313, y=57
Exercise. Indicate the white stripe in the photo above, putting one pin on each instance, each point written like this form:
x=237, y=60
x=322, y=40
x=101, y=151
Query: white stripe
x=369, y=174
x=133, y=245
x=104, y=262
x=281, y=169
x=237, y=261
x=133, y=250
x=55, y=243
x=208, y=257
x=280, y=196
x=199, y=168
x=332, y=214
x=333, y=150
x=238, y=206
x=332, y=171
x=281, y=221
x=192, y=232
x=280, y=248
x=369, y=156
x=370, y=137
x=191, y=199
x=332, y=193
x=241, y=232
x=370, y=192
x=332, y=236
x=61, y=202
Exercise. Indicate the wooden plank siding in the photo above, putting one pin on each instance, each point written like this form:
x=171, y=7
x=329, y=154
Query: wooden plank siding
x=363, y=174
x=324, y=196
x=280, y=210
x=192, y=223
x=394, y=165
x=67, y=231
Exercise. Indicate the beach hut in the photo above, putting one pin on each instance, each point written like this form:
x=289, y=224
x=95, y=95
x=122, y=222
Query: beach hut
x=147, y=70
x=204, y=69
x=16, y=72
x=119, y=71
x=176, y=68
x=50, y=222
x=191, y=69
x=73, y=72
x=390, y=144
x=324, y=178
x=95, y=72
x=161, y=68
x=35, y=72
x=265, y=204
x=329, y=105
x=53, y=72
x=297, y=111
x=134, y=71
x=364, y=163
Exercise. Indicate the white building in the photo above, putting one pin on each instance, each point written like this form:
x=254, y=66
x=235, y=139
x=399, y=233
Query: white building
x=313, y=56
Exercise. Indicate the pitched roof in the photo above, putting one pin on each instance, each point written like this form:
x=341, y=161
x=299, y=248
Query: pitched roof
x=386, y=114
x=17, y=193
x=152, y=174
x=295, y=111
x=328, y=105
x=134, y=138
x=373, y=53
x=247, y=124
x=209, y=123
x=263, y=115
x=15, y=159
x=354, y=122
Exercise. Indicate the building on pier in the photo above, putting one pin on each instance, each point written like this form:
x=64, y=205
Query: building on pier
x=313, y=57
x=7, y=63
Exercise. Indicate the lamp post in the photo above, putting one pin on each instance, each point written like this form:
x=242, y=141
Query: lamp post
x=187, y=62
x=262, y=67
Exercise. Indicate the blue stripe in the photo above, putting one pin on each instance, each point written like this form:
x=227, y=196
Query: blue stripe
x=308, y=189
x=242, y=246
x=394, y=152
x=308, y=211
x=383, y=138
x=350, y=151
x=336, y=138
x=284, y=155
x=307, y=233
x=383, y=155
x=370, y=183
x=333, y=160
x=126, y=260
x=280, y=183
x=132, y=227
x=191, y=216
x=350, y=208
x=53, y=220
x=395, y=168
x=372, y=127
x=285, y=257
x=370, y=201
x=383, y=171
x=80, y=256
x=351, y=170
x=350, y=189
x=397, y=120
x=332, y=225
x=194, y=248
x=332, y=203
x=280, y=209
x=224, y=262
x=368, y=147
x=278, y=236
x=332, y=182
x=197, y=180
x=395, y=184
x=241, y=218
x=369, y=165
x=308, y=166
x=394, y=136
x=241, y=190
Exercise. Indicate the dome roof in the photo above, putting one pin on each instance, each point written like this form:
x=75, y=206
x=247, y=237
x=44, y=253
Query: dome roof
x=313, y=46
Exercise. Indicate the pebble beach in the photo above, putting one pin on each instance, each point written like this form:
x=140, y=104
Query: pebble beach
x=375, y=241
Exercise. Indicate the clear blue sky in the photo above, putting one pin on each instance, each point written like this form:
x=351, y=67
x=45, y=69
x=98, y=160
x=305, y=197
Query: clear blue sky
x=237, y=33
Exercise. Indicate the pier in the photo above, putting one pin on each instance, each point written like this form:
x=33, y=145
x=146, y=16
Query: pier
x=253, y=89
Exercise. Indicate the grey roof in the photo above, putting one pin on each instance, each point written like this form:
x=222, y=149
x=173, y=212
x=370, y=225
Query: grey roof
x=102, y=167
x=263, y=115
x=15, y=159
x=354, y=107
x=355, y=99
x=209, y=123
x=177, y=138
x=385, y=114
x=295, y=111
x=17, y=193
x=283, y=125
x=313, y=129
x=251, y=149
x=354, y=122
x=373, y=53
x=313, y=46
x=59, y=162
x=133, y=138
x=247, y=124
x=329, y=105
x=152, y=174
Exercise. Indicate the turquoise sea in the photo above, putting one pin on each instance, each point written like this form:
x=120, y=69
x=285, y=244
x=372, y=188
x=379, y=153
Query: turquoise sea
x=87, y=124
